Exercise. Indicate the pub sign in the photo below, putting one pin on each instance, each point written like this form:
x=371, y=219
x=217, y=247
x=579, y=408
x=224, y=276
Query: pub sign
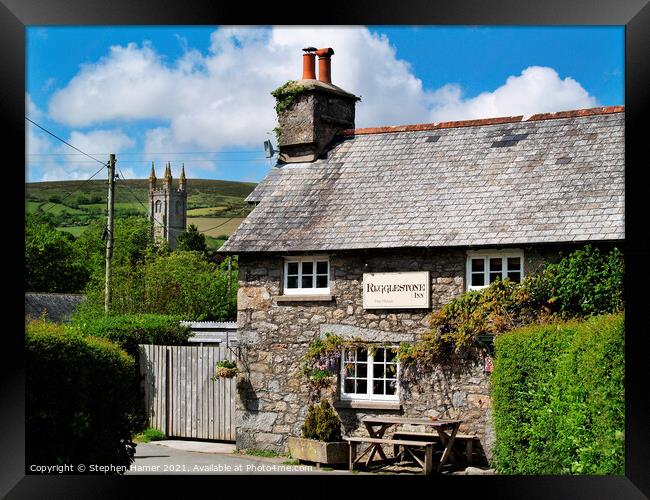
x=408, y=290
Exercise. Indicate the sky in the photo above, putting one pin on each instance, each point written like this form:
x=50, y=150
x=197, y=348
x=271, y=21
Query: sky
x=200, y=95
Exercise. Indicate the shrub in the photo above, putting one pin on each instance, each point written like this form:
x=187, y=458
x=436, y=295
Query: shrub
x=322, y=423
x=129, y=330
x=586, y=283
x=79, y=406
x=558, y=398
x=151, y=434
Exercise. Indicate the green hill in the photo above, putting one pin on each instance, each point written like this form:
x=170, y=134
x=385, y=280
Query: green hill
x=74, y=204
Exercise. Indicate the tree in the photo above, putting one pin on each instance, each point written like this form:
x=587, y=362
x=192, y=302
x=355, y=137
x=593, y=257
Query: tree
x=50, y=261
x=192, y=240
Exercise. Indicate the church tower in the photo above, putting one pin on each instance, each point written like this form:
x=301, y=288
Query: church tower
x=167, y=206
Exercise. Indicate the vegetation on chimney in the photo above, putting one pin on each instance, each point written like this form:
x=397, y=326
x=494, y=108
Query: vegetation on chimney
x=286, y=94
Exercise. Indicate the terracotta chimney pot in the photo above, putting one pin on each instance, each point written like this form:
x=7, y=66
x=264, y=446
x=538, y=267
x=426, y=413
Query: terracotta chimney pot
x=309, y=64
x=324, y=64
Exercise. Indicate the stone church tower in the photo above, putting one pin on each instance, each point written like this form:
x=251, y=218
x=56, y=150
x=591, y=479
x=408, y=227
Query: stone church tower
x=167, y=206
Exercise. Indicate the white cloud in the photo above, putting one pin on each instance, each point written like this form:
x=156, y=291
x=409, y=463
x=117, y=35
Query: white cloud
x=48, y=161
x=220, y=98
x=537, y=90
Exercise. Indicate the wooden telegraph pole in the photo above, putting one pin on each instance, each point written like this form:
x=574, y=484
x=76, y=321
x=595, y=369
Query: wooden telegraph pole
x=109, y=238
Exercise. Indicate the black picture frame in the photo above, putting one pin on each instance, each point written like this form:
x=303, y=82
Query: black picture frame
x=633, y=14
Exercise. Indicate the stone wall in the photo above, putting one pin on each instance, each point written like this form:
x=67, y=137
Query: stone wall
x=272, y=393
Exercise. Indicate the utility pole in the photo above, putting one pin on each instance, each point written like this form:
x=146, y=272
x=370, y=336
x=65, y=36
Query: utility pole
x=109, y=239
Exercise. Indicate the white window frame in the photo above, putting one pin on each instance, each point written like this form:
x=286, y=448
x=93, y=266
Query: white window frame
x=305, y=291
x=486, y=255
x=368, y=396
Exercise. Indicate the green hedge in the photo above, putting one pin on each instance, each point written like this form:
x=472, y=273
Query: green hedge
x=79, y=406
x=129, y=330
x=558, y=397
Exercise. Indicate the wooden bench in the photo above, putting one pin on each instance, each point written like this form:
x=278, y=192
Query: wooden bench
x=404, y=447
x=435, y=440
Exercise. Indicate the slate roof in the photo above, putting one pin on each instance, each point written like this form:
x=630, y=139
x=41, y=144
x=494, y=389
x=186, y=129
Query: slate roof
x=58, y=307
x=551, y=178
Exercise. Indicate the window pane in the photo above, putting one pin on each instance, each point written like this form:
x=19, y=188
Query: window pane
x=321, y=267
x=390, y=354
x=515, y=277
x=391, y=371
x=362, y=355
x=348, y=370
x=321, y=281
x=307, y=268
x=362, y=370
x=478, y=279
x=307, y=282
x=391, y=386
x=478, y=265
x=379, y=355
x=349, y=386
x=378, y=387
x=514, y=263
x=362, y=386
x=378, y=371
x=494, y=277
x=292, y=268
x=495, y=264
x=292, y=282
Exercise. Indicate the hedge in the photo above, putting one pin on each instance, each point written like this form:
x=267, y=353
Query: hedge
x=558, y=398
x=79, y=404
x=129, y=330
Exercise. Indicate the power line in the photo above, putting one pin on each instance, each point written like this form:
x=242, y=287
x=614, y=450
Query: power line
x=71, y=192
x=64, y=141
x=104, y=165
x=140, y=202
x=196, y=160
x=241, y=151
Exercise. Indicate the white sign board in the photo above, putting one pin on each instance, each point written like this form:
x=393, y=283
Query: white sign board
x=409, y=290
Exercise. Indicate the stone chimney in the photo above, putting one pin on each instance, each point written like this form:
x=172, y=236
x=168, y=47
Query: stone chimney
x=311, y=111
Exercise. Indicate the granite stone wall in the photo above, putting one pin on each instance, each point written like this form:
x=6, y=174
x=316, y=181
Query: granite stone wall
x=274, y=335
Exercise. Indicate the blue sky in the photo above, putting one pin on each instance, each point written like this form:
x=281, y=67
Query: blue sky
x=200, y=95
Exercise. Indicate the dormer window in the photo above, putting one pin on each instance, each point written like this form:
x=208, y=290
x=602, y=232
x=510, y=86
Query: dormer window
x=305, y=275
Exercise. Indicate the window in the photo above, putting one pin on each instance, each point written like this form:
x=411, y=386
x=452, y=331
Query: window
x=484, y=268
x=158, y=204
x=305, y=275
x=370, y=375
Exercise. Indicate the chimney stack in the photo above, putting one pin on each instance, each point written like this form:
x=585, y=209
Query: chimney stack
x=313, y=110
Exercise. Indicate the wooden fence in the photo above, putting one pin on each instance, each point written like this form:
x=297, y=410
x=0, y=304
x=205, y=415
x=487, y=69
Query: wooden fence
x=181, y=398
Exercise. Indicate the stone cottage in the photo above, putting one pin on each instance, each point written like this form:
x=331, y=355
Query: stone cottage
x=365, y=232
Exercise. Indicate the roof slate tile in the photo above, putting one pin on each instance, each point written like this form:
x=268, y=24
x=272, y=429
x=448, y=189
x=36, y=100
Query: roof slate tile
x=394, y=189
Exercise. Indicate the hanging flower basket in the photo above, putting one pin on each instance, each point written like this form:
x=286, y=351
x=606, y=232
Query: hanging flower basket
x=225, y=369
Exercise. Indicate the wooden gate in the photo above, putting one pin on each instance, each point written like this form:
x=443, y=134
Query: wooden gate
x=181, y=398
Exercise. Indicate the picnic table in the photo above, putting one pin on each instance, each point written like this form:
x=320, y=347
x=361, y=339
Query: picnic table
x=408, y=443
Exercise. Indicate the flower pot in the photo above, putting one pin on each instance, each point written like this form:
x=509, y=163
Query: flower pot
x=223, y=372
x=310, y=450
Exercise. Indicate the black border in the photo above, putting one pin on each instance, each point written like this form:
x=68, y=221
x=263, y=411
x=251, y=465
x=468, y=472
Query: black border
x=634, y=14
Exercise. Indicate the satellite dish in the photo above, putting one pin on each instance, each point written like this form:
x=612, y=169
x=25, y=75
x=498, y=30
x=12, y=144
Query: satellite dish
x=268, y=149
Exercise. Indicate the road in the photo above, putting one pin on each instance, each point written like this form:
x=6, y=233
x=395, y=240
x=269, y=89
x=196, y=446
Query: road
x=187, y=457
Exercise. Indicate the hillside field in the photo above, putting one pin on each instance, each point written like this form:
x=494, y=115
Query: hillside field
x=213, y=205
